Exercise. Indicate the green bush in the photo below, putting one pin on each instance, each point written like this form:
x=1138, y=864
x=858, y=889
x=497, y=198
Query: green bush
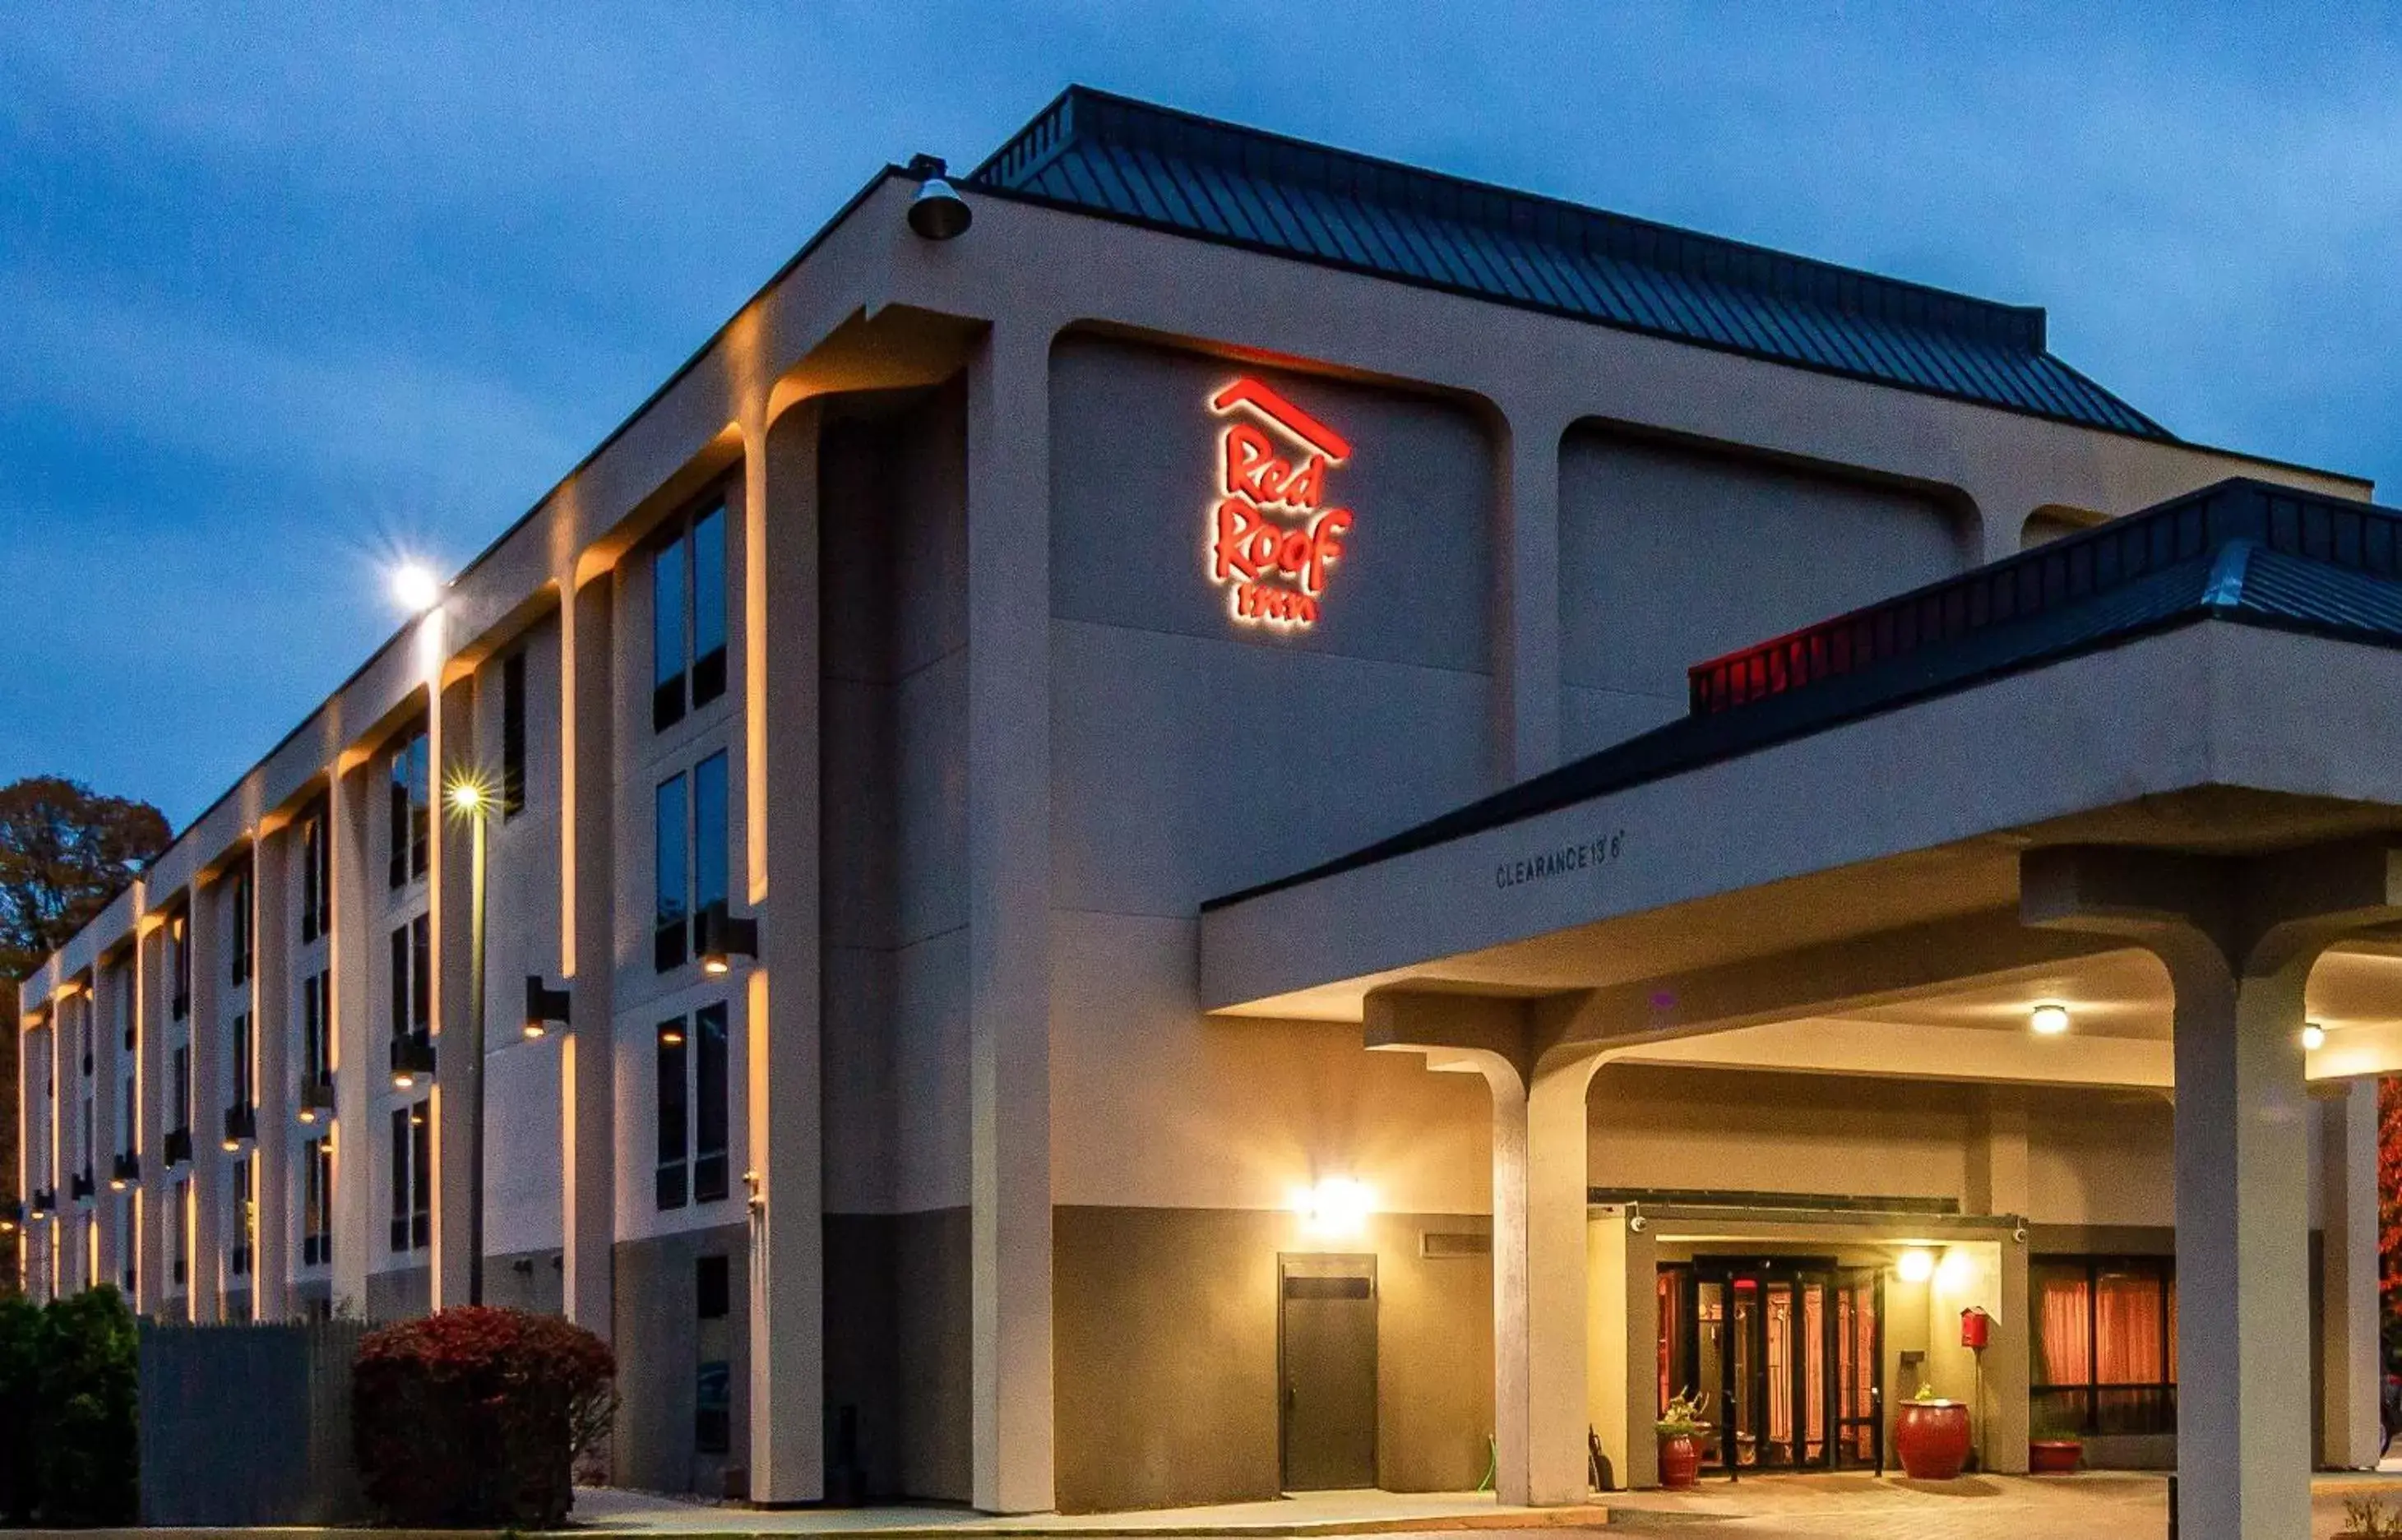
x=68, y=1454
x=475, y=1416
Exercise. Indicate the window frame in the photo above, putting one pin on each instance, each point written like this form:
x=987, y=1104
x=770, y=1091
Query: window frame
x=513, y=735
x=409, y=808
x=316, y=871
x=2161, y=1271
x=699, y=675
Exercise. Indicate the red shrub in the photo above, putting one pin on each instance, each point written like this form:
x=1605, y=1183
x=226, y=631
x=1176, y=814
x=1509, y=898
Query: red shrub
x=475, y=1416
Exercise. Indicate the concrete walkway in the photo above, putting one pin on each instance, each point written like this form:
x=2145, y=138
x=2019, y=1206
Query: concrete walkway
x=1322, y=1513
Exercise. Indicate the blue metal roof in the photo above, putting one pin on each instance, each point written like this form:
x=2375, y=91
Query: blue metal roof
x=2242, y=551
x=1146, y=165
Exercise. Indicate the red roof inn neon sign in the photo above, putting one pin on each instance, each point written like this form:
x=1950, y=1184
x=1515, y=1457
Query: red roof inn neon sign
x=1270, y=545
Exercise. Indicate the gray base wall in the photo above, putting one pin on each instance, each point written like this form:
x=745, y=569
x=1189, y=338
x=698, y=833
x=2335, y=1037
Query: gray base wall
x=1166, y=1355
x=656, y=1317
x=527, y=1280
x=400, y=1295
x=897, y=1356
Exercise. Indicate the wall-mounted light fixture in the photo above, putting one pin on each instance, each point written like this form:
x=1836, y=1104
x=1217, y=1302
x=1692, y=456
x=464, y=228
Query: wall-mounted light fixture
x=317, y=1100
x=724, y=937
x=937, y=213
x=412, y=1059
x=1917, y=1265
x=2313, y=1036
x=2048, y=1021
x=241, y=1126
x=416, y=588
x=545, y=1009
x=1334, y=1205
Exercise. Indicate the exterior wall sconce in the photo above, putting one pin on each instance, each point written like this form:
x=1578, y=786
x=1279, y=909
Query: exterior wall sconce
x=241, y=1126
x=177, y=1148
x=317, y=1100
x=724, y=937
x=938, y=212
x=412, y=1058
x=12, y=1216
x=2313, y=1036
x=124, y=1171
x=1916, y=1266
x=81, y=1186
x=545, y=1008
x=1334, y=1206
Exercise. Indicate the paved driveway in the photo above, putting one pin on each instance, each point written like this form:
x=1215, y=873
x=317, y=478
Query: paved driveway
x=1862, y=1507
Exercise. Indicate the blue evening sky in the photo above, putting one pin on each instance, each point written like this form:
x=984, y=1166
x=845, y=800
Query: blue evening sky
x=284, y=292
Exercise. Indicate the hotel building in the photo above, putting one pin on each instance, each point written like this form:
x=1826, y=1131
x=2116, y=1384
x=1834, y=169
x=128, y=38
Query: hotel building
x=1198, y=817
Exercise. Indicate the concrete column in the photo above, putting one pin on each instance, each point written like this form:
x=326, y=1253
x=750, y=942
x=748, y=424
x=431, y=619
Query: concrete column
x=357, y=1069
x=108, y=1137
x=588, y=1108
x=207, y=1279
x=786, y=1105
x=1622, y=1335
x=2239, y=938
x=1009, y=896
x=1527, y=618
x=1997, y=1151
x=2349, y=1367
x=458, y=1064
x=270, y=1028
x=152, y=986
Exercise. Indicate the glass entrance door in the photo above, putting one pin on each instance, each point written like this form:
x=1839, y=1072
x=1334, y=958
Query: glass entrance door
x=1791, y=1353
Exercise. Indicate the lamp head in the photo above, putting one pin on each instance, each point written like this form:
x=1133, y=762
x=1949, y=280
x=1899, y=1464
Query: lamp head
x=938, y=212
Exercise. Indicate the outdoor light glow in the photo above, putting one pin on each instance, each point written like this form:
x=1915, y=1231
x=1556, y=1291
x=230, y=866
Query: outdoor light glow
x=1953, y=1270
x=534, y=1030
x=715, y=964
x=2048, y=1021
x=466, y=796
x=670, y=1036
x=414, y=585
x=2313, y=1036
x=117, y=1184
x=1336, y=1205
x=1916, y=1266
x=308, y=1114
x=402, y=1080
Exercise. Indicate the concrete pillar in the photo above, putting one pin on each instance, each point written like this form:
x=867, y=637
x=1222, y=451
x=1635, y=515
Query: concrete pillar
x=458, y=1060
x=1009, y=890
x=277, y=1094
x=1997, y=1151
x=1526, y=619
x=786, y=1105
x=2349, y=1359
x=2239, y=938
x=152, y=985
x=357, y=1069
x=207, y=1279
x=1622, y=1337
x=108, y=1133
x=588, y=1105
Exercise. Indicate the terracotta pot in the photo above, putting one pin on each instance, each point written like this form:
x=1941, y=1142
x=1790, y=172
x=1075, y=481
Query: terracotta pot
x=2055, y=1456
x=1681, y=1461
x=1932, y=1439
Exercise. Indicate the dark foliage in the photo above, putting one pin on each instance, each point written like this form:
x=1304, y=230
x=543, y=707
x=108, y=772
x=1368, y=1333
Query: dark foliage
x=475, y=1416
x=68, y=1454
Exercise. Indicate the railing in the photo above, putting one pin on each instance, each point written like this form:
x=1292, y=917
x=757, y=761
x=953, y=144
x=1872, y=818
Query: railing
x=2113, y=555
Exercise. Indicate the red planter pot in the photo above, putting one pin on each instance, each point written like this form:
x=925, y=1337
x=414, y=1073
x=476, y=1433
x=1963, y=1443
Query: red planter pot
x=2055, y=1456
x=1932, y=1439
x=1681, y=1461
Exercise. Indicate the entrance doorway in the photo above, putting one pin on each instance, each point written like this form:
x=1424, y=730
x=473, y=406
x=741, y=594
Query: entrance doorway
x=1326, y=1354
x=1790, y=1352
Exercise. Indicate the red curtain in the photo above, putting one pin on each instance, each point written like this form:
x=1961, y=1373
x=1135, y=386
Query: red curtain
x=2127, y=1318
x=2068, y=1357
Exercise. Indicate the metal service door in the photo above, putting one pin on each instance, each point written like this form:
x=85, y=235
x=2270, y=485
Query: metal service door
x=1327, y=1350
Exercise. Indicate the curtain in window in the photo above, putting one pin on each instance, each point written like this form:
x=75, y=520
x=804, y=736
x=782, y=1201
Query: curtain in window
x=2127, y=1316
x=2062, y=1319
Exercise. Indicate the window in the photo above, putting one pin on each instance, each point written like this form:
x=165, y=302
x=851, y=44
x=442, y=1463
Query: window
x=412, y=976
x=179, y=1089
x=673, y=1124
x=713, y=1287
x=316, y=872
x=694, y=1108
x=513, y=735
x=245, y=1215
x=179, y=962
x=2105, y=1344
x=411, y=792
x=714, y=1379
x=689, y=616
x=239, y=926
x=316, y=1038
x=412, y=1177
x=179, y=1232
x=127, y=1137
x=126, y=1276
x=669, y=867
x=242, y=1081
x=709, y=1104
x=317, y=1203
x=690, y=854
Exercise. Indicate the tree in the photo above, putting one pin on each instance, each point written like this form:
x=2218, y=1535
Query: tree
x=2389, y=1194
x=65, y=850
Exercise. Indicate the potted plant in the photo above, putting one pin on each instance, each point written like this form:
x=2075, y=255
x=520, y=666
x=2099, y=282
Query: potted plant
x=1681, y=1428
x=2054, y=1448
x=1931, y=1436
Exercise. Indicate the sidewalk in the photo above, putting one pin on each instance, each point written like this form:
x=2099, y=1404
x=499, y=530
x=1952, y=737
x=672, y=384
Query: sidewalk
x=1324, y=1513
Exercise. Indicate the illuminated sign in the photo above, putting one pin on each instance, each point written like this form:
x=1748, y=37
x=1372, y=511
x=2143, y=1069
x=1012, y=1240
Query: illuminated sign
x=1272, y=540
